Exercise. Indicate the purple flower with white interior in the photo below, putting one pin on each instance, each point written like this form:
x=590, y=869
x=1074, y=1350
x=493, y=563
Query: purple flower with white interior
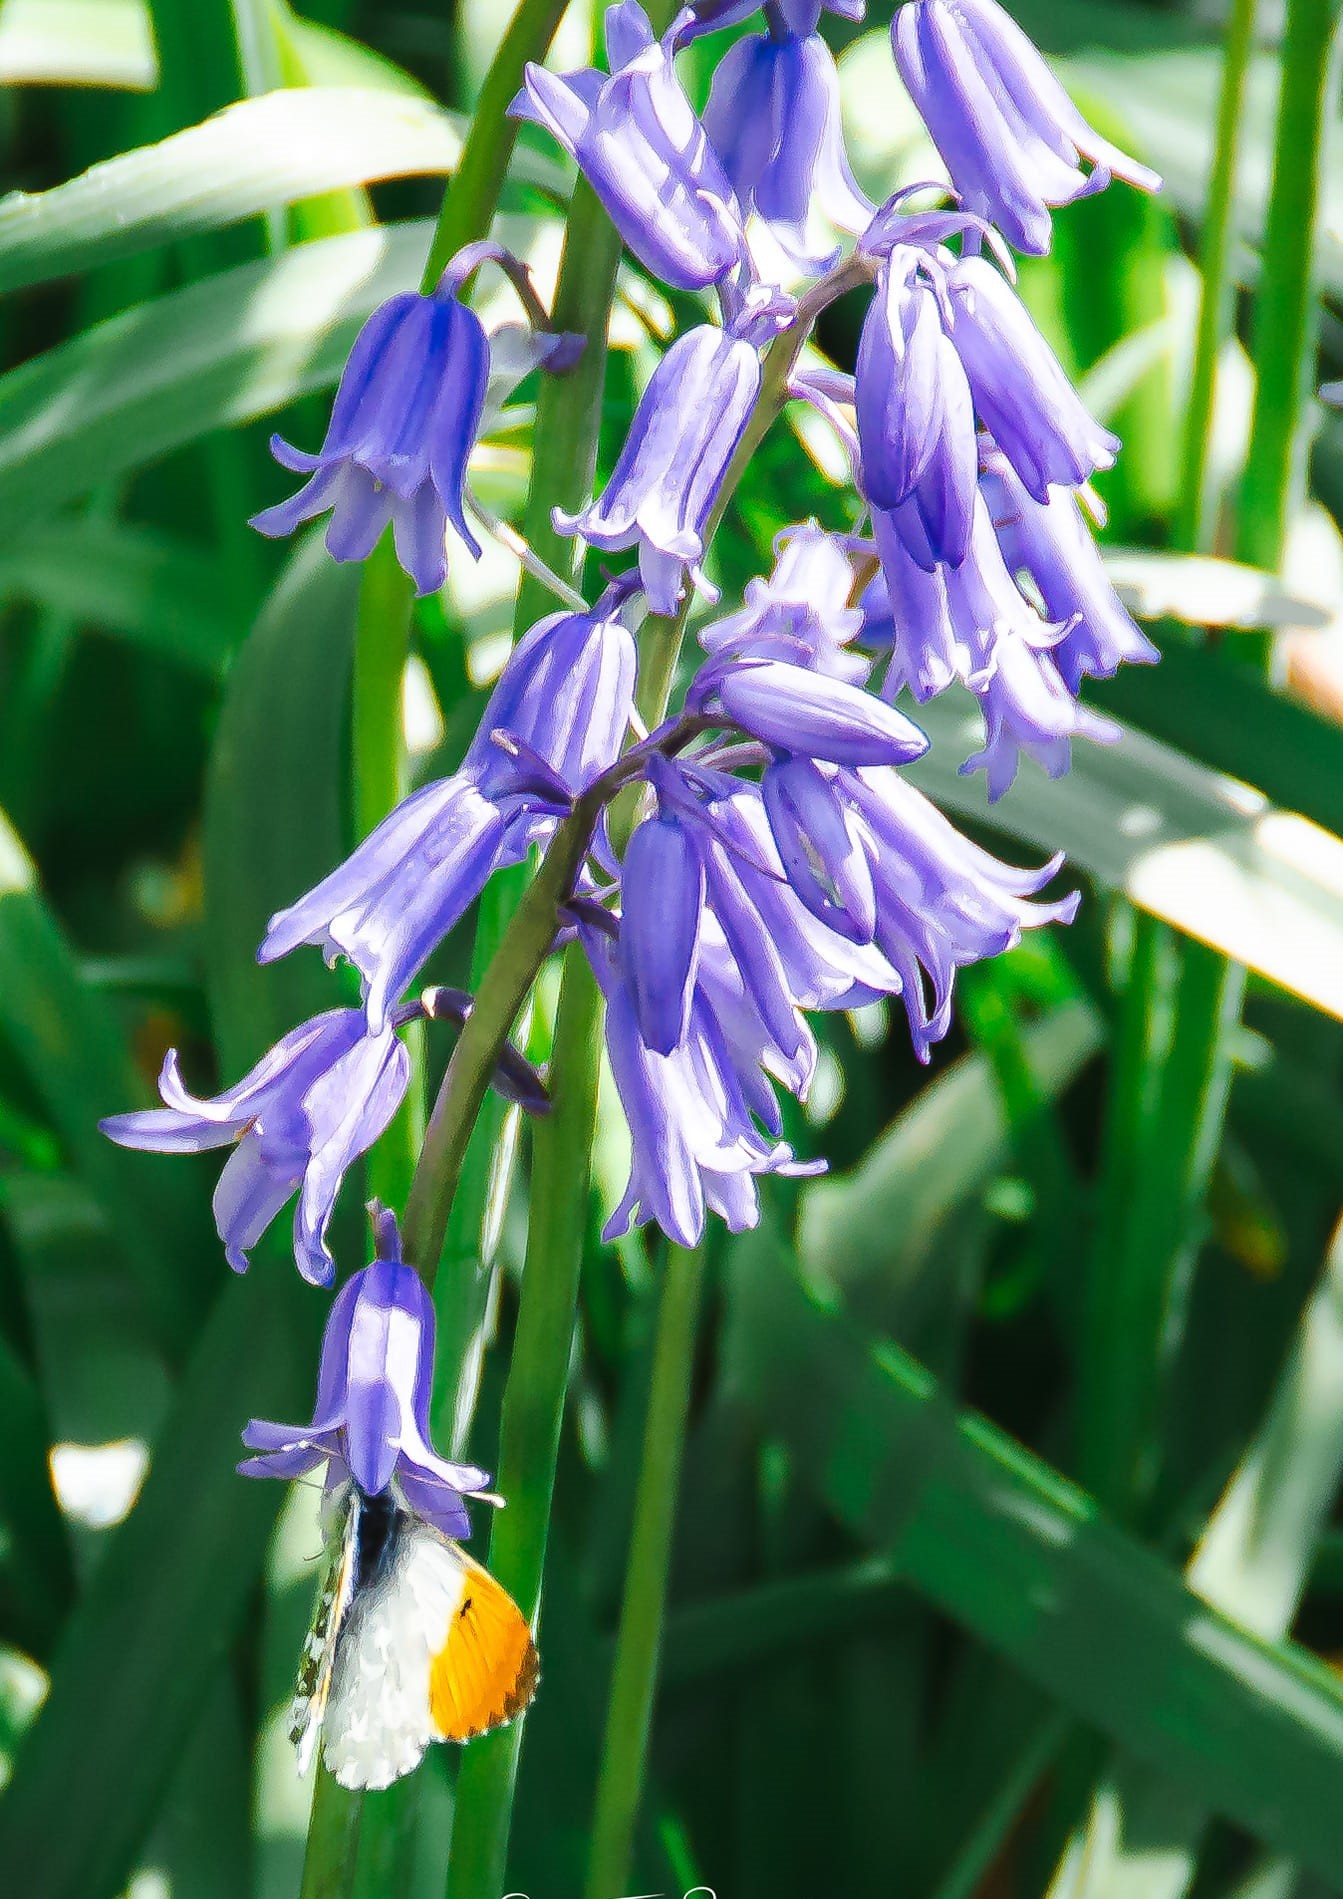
x=801, y=612
x=916, y=422
x=402, y=428
x=640, y=145
x=662, y=905
x=312, y=1105
x=1012, y=140
x=370, y=1425
x=667, y=479
x=799, y=16
x=774, y=119
x=1051, y=544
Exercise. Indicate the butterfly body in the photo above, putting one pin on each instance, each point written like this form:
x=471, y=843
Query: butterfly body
x=413, y=1642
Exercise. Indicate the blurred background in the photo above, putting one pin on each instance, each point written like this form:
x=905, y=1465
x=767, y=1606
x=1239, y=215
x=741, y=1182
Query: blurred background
x=1057, y=1343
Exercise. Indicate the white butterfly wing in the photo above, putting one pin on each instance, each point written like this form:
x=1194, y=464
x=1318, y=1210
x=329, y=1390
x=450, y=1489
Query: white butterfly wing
x=378, y=1716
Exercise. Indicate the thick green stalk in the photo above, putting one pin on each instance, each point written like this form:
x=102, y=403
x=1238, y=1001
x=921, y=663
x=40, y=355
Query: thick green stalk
x=382, y=645
x=469, y=206
x=629, y=1714
x=333, y=1839
x=534, y=1401
x=1195, y=527
x=1287, y=306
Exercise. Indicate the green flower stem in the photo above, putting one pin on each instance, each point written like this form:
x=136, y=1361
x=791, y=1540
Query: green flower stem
x=469, y=206
x=382, y=646
x=1287, y=305
x=333, y=1839
x=534, y=1401
x=629, y=1713
x=1195, y=524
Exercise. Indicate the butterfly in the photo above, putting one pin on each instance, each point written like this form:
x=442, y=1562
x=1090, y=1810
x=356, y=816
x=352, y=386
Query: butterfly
x=412, y=1642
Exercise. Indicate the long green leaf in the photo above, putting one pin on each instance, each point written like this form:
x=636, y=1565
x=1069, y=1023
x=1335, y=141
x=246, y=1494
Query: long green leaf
x=229, y=349
x=1202, y=852
x=1022, y=1559
x=275, y=149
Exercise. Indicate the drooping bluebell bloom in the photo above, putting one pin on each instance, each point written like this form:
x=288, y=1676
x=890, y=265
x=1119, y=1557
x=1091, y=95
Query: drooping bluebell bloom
x=1053, y=546
x=800, y=613
x=1020, y=390
x=312, y=1105
x=693, y=1118
x=395, y=898
x=774, y=119
x=637, y=140
x=370, y=1424
x=973, y=623
x=1012, y=140
x=564, y=699
x=916, y=423
x=402, y=428
x=566, y=695
x=939, y=902
x=664, y=485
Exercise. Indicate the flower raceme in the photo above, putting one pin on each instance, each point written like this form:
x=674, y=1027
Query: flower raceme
x=779, y=860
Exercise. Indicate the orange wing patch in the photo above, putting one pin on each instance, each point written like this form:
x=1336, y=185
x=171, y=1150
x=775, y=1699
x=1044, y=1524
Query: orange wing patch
x=487, y=1670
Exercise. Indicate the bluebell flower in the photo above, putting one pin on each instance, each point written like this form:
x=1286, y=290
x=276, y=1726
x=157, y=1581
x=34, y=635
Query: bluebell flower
x=370, y=1424
x=938, y=901
x=802, y=612
x=695, y=1135
x=795, y=710
x=394, y=899
x=1012, y=140
x=564, y=701
x=662, y=906
x=1020, y=391
x=774, y=119
x=667, y=479
x=916, y=423
x=637, y=140
x=973, y=623
x=311, y=1106
x=1051, y=543
x=566, y=695
x=402, y=428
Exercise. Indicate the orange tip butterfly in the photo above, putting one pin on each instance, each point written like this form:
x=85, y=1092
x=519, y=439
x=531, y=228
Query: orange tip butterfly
x=412, y=1642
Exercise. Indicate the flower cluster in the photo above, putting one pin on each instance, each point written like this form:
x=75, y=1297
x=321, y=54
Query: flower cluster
x=780, y=861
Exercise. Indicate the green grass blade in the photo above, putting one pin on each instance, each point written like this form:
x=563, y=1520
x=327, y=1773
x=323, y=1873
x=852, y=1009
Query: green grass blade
x=273, y=150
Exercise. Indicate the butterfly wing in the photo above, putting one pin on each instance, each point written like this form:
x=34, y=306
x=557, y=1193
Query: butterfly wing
x=432, y=1650
x=487, y=1669
x=313, y=1687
